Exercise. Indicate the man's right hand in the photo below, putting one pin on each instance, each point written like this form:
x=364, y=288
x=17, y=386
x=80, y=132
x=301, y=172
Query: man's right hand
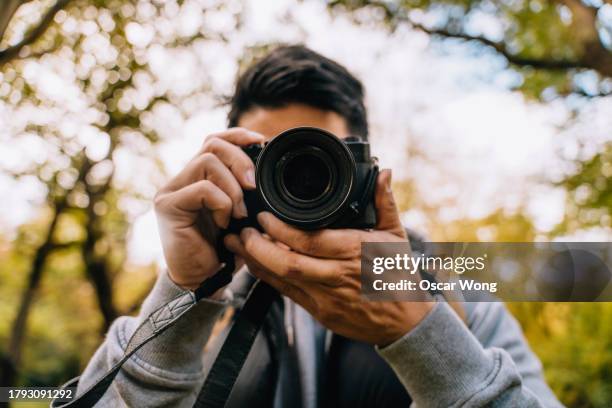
x=202, y=198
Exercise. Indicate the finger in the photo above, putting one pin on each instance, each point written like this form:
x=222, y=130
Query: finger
x=239, y=258
x=299, y=295
x=185, y=204
x=288, y=264
x=235, y=245
x=239, y=163
x=325, y=243
x=209, y=167
x=387, y=214
x=238, y=136
x=222, y=177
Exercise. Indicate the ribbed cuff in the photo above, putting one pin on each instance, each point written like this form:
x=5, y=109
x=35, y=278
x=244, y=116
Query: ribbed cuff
x=179, y=348
x=440, y=362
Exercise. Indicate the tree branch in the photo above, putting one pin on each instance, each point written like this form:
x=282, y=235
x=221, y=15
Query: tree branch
x=13, y=51
x=503, y=50
x=8, y=8
x=595, y=56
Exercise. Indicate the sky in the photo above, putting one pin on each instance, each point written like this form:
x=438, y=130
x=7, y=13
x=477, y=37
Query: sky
x=483, y=146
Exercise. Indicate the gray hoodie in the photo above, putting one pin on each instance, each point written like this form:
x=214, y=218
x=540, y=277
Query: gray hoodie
x=441, y=362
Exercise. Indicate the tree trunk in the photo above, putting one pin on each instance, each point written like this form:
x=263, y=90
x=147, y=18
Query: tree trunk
x=96, y=266
x=10, y=362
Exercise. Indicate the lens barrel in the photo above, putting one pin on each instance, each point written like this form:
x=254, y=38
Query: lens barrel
x=305, y=176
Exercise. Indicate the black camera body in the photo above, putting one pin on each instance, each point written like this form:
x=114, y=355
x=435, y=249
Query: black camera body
x=311, y=179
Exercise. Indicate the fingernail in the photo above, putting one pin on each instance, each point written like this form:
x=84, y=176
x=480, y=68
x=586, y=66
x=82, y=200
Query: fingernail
x=255, y=134
x=242, y=209
x=389, y=182
x=262, y=217
x=250, y=177
x=226, y=222
x=246, y=233
x=227, y=240
x=231, y=238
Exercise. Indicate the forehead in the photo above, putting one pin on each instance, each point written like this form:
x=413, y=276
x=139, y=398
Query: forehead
x=272, y=121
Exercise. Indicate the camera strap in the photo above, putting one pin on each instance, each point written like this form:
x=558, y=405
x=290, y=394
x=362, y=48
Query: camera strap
x=231, y=357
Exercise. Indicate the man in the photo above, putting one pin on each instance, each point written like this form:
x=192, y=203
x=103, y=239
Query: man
x=322, y=343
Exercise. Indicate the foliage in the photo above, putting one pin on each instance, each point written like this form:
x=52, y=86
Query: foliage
x=550, y=44
x=105, y=117
x=589, y=202
x=574, y=342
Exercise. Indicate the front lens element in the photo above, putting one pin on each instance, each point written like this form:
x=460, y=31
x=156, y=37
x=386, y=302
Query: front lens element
x=306, y=177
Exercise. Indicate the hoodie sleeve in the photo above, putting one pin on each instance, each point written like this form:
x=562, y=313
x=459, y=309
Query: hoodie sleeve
x=442, y=363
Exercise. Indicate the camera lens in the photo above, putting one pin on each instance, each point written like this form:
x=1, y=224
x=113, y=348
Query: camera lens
x=305, y=177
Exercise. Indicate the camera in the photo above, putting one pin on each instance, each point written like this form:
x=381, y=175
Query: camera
x=311, y=179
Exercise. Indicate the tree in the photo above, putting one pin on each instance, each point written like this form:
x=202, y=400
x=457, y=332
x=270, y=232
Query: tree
x=117, y=88
x=8, y=10
x=560, y=48
x=551, y=44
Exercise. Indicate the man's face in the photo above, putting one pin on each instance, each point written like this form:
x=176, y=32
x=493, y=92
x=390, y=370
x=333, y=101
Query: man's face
x=272, y=121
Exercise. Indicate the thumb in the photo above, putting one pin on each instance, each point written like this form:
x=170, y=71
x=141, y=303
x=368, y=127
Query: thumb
x=387, y=214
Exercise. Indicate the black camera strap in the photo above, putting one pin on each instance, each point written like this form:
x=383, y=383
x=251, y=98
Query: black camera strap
x=231, y=357
x=233, y=354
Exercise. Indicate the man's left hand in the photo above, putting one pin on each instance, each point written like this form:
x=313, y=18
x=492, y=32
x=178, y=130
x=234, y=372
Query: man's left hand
x=320, y=270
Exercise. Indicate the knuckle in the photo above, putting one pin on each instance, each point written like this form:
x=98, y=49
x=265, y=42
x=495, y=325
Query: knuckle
x=212, y=143
x=205, y=186
x=311, y=242
x=159, y=201
x=237, y=195
x=207, y=141
x=353, y=268
x=249, y=244
x=353, y=248
x=336, y=278
x=207, y=159
x=226, y=204
x=293, y=266
x=204, y=162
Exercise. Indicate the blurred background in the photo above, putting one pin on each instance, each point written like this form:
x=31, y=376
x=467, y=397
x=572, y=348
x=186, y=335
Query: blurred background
x=495, y=116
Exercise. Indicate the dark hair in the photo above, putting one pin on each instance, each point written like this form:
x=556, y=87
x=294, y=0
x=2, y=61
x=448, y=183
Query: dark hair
x=296, y=74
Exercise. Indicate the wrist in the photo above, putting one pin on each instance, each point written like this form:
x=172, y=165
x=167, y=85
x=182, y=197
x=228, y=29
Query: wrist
x=218, y=295
x=415, y=313
x=182, y=282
